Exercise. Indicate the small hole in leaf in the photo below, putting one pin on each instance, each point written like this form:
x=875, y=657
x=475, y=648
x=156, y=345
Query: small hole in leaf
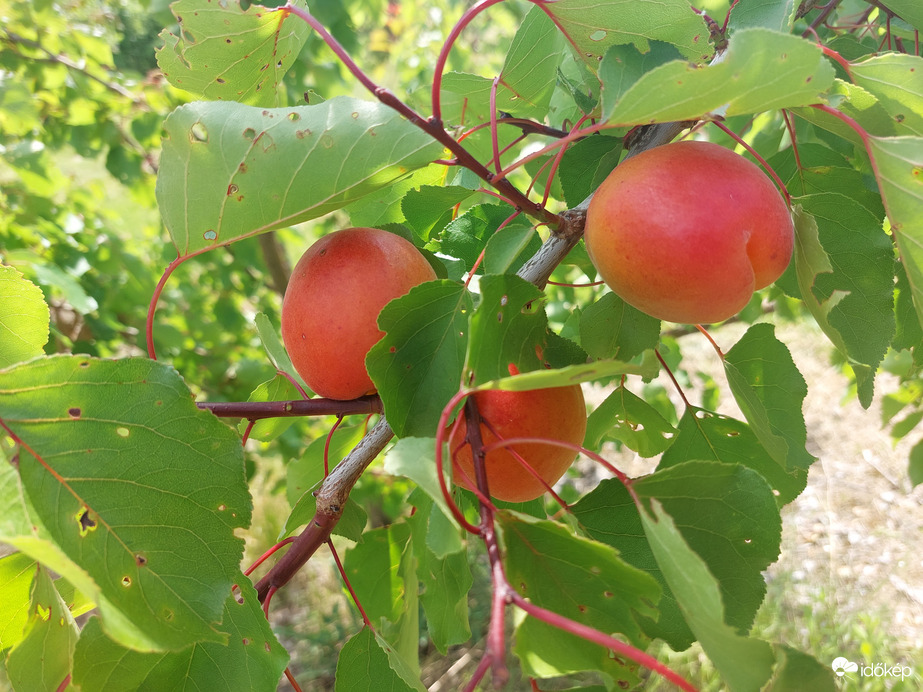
x=210, y=235
x=294, y=117
x=198, y=132
x=249, y=133
x=140, y=560
x=126, y=581
x=245, y=641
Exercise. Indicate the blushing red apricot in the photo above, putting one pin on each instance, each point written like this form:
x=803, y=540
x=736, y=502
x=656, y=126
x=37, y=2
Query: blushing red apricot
x=330, y=310
x=557, y=413
x=687, y=232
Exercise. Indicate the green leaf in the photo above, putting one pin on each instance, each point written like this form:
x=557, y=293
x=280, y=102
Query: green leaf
x=712, y=437
x=509, y=248
x=374, y=570
x=915, y=464
x=415, y=458
x=900, y=177
x=252, y=658
x=384, y=206
x=572, y=374
x=367, y=663
x=585, y=164
x=796, y=671
x=622, y=66
x=417, y=365
x=16, y=574
x=611, y=328
x=770, y=391
x=42, y=660
x=445, y=578
x=896, y=80
x=745, y=664
x=24, y=318
x=909, y=11
x=528, y=76
x=279, y=388
x=137, y=486
x=725, y=512
x=762, y=70
x=429, y=207
x=625, y=417
x=508, y=327
x=269, y=336
x=224, y=52
x=578, y=578
x=465, y=237
x=771, y=14
x=228, y=171
x=591, y=27
x=848, y=282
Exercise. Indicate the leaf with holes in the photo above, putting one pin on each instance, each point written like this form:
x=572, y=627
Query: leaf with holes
x=725, y=512
x=897, y=82
x=224, y=52
x=24, y=318
x=770, y=391
x=417, y=365
x=745, y=664
x=591, y=27
x=251, y=659
x=578, y=578
x=712, y=437
x=229, y=171
x=625, y=417
x=136, y=486
x=762, y=70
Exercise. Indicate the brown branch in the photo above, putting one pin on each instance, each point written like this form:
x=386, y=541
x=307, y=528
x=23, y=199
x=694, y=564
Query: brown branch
x=256, y=410
x=331, y=499
x=276, y=261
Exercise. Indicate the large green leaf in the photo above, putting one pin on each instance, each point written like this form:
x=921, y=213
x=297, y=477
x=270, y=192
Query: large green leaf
x=710, y=436
x=745, y=664
x=770, y=391
x=900, y=176
x=762, y=70
x=367, y=663
x=16, y=574
x=251, y=659
x=24, y=318
x=628, y=418
x=229, y=171
x=417, y=365
x=580, y=579
x=611, y=328
x=507, y=328
x=896, y=80
x=908, y=10
x=725, y=512
x=591, y=27
x=225, y=52
x=137, y=487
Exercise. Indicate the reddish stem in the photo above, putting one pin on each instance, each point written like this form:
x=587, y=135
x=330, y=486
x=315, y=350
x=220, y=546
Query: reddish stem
x=291, y=680
x=494, y=141
x=666, y=367
x=246, y=436
x=441, y=435
x=327, y=446
x=149, y=326
x=709, y=337
x=349, y=586
x=269, y=553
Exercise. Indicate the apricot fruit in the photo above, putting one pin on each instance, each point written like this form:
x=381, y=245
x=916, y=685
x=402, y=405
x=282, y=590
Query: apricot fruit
x=557, y=413
x=331, y=306
x=686, y=232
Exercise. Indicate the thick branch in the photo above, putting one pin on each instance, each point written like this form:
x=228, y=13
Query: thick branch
x=276, y=262
x=331, y=499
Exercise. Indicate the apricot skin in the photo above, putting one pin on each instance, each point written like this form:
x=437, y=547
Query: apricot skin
x=330, y=310
x=686, y=232
x=557, y=413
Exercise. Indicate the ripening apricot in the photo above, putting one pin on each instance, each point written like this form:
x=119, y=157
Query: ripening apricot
x=557, y=413
x=687, y=232
x=330, y=310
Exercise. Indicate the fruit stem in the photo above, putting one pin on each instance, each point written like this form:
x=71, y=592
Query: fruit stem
x=769, y=169
x=349, y=586
x=265, y=556
x=149, y=325
x=711, y=340
x=679, y=389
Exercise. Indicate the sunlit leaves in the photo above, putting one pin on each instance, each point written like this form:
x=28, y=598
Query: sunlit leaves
x=896, y=80
x=23, y=318
x=591, y=27
x=611, y=328
x=138, y=487
x=225, y=52
x=625, y=417
x=761, y=71
x=369, y=664
x=228, y=170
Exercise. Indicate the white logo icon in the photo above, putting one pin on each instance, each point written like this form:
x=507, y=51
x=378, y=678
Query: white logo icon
x=841, y=666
